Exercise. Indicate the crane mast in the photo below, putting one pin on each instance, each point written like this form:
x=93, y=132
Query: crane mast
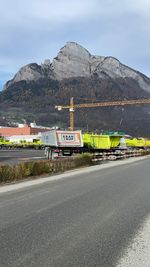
x=71, y=109
x=73, y=106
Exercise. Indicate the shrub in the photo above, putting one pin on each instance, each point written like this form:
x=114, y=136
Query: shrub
x=38, y=168
x=34, y=168
x=5, y=173
x=83, y=160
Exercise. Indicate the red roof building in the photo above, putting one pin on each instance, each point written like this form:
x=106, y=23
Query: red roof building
x=23, y=130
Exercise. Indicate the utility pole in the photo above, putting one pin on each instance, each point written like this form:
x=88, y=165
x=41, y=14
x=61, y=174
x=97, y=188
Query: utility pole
x=71, y=109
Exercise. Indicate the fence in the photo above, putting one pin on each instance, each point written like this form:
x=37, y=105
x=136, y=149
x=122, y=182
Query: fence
x=118, y=154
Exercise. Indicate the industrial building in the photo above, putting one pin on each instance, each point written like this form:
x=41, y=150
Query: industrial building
x=23, y=129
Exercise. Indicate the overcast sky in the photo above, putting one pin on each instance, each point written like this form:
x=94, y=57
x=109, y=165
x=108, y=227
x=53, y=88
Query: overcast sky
x=34, y=30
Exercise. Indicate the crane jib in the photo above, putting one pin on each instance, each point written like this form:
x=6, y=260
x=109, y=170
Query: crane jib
x=73, y=106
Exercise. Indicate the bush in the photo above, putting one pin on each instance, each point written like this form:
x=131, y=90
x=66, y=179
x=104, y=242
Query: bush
x=145, y=152
x=5, y=173
x=34, y=168
x=39, y=168
x=83, y=160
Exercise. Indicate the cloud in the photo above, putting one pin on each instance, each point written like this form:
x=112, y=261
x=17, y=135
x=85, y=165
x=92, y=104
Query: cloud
x=44, y=11
x=33, y=30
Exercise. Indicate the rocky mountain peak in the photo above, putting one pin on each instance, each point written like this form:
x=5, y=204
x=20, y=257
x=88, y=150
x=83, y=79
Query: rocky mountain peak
x=74, y=49
x=30, y=72
x=73, y=60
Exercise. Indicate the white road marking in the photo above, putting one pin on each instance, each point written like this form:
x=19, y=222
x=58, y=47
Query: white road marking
x=68, y=174
x=138, y=254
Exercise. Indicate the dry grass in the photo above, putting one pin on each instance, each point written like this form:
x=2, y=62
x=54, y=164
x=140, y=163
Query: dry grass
x=34, y=168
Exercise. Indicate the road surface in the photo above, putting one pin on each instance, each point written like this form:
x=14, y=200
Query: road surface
x=86, y=220
x=20, y=155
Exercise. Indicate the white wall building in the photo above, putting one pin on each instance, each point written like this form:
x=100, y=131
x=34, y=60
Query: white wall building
x=28, y=138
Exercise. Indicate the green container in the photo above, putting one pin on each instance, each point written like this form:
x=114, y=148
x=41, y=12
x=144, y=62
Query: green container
x=101, y=141
x=147, y=143
x=136, y=142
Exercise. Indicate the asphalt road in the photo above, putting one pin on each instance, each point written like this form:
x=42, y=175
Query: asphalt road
x=85, y=220
x=20, y=155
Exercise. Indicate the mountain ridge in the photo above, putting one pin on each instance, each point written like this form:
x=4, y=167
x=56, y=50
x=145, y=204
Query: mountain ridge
x=36, y=89
x=73, y=60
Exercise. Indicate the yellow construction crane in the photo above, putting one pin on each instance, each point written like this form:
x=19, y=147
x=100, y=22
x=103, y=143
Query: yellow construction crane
x=73, y=106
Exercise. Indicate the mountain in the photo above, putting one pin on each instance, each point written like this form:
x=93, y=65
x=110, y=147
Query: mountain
x=75, y=61
x=36, y=89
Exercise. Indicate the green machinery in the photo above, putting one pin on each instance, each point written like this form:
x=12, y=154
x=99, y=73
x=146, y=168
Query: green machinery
x=96, y=141
x=112, y=141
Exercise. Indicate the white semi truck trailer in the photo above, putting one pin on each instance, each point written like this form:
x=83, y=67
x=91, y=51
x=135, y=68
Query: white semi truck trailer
x=61, y=143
